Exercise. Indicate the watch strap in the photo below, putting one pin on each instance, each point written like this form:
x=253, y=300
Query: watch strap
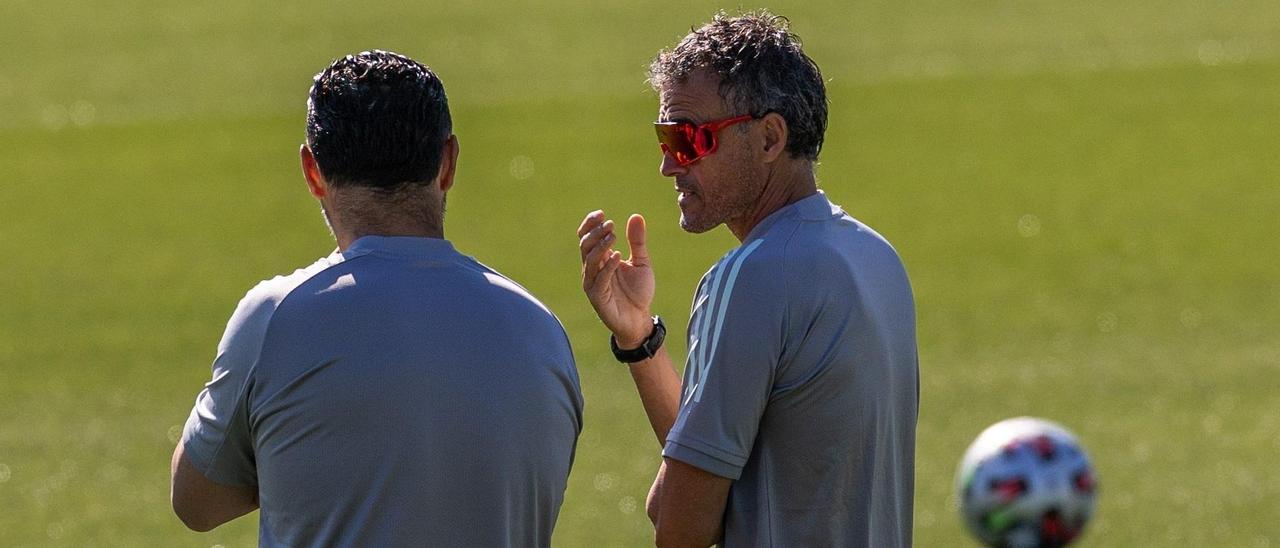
x=646, y=350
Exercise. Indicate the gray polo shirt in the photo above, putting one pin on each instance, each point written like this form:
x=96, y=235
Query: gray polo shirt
x=802, y=383
x=395, y=394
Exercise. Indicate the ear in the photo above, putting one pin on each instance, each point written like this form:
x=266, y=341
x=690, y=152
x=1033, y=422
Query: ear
x=448, y=163
x=311, y=172
x=775, y=136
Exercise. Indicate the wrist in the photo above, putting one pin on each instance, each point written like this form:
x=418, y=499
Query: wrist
x=630, y=342
x=632, y=339
x=632, y=350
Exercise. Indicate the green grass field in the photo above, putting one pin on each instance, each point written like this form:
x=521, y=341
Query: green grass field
x=1084, y=195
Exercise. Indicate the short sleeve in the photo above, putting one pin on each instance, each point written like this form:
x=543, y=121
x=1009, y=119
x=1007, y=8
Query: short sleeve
x=217, y=437
x=736, y=336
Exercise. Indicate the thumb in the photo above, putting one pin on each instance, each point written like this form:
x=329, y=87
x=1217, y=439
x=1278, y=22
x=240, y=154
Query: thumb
x=636, y=238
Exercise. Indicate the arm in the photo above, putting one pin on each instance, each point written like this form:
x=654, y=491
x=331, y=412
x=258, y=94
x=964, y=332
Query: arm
x=659, y=389
x=202, y=504
x=686, y=505
x=621, y=293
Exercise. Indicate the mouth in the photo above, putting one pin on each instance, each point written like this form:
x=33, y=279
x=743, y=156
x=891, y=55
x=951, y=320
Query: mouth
x=685, y=193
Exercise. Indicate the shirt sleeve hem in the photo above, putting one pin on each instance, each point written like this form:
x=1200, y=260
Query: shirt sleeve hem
x=202, y=455
x=192, y=450
x=705, y=457
x=193, y=447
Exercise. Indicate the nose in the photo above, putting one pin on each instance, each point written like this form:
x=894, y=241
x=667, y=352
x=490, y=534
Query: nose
x=670, y=167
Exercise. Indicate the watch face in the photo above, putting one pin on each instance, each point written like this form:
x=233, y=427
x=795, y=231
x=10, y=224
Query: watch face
x=654, y=342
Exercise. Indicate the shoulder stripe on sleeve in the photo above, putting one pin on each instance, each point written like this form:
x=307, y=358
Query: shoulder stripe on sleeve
x=704, y=320
x=704, y=308
x=718, y=306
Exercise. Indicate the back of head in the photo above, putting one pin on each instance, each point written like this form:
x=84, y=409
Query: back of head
x=761, y=68
x=379, y=120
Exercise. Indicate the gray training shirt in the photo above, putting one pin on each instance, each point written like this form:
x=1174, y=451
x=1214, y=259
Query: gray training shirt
x=395, y=394
x=802, y=383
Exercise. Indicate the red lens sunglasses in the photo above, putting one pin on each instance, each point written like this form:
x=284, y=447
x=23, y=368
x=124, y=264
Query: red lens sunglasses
x=687, y=142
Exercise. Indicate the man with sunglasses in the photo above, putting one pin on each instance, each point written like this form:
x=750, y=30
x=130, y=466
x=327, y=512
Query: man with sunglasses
x=795, y=421
x=395, y=392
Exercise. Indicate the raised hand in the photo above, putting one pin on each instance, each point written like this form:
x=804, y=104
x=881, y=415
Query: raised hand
x=620, y=291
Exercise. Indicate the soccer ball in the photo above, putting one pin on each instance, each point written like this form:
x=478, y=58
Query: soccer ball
x=1025, y=482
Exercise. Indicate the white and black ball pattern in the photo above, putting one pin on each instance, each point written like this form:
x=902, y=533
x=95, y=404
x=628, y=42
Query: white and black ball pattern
x=1026, y=482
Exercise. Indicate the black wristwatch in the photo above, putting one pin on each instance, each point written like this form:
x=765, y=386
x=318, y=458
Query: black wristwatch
x=647, y=349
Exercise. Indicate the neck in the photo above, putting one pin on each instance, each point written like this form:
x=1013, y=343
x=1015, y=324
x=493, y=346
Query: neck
x=783, y=187
x=346, y=237
x=353, y=213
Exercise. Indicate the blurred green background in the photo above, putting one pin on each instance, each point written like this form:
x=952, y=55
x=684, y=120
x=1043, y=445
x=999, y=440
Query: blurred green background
x=1084, y=194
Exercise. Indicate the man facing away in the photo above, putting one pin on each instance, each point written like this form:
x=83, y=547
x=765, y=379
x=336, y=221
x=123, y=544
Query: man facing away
x=395, y=392
x=795, y=422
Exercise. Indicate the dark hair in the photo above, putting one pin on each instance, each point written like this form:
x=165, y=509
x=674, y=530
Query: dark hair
x=762, y=69
x=378, y=119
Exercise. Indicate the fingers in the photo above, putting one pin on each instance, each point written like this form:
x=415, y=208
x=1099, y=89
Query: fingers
x=598, y=272
x=593, y=237
x=596, y=236
x=611, y=263
x=596, y=248
x=595, y=244
x=590, y=231
x=590, y=221
x=636, y=239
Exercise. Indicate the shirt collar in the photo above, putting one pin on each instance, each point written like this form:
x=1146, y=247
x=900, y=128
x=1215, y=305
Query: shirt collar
x=411, y=246
x=810, y=208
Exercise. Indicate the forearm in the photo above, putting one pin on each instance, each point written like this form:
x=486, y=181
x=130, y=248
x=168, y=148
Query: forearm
x=659, y=389
x=202, y=504
x=686, y=505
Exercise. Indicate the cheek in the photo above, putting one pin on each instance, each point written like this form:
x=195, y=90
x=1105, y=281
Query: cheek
x=726, y=177
x=735, y=167
x=741, y=152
